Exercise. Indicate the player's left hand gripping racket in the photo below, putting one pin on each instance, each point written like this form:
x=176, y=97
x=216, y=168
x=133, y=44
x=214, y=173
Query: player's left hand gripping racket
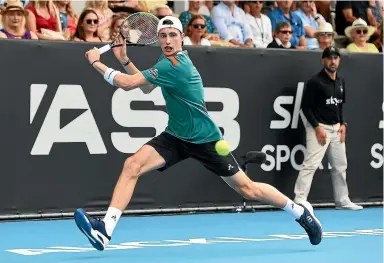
x=137, y=29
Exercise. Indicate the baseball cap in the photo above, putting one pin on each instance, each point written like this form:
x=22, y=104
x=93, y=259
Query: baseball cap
x=169, y=22
x=330, y=51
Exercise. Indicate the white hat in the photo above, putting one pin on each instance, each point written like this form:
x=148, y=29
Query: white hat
x=359, y=23
x=169, y=22
x=325, y=27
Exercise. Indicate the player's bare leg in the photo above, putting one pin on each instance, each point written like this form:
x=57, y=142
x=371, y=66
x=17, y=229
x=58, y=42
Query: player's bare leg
x=99, y=232
x=145, y=160
x=268, y=194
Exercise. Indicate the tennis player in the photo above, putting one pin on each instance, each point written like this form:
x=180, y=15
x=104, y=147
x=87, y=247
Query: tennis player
x=190, y=133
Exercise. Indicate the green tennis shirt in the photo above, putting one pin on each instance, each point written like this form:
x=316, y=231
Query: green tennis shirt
x=183, y=92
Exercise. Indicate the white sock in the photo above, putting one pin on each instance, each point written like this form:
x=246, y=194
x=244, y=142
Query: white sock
x=294, y=209
x=111, y=219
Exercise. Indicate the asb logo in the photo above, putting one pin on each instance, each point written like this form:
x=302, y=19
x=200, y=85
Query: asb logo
x=70, y=119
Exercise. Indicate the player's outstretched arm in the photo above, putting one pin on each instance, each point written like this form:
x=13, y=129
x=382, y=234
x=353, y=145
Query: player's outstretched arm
x=121, y=56
x=115, y=77
x=131, y=69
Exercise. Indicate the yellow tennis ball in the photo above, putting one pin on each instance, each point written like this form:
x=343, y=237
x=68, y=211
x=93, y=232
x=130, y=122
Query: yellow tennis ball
x=222, y=147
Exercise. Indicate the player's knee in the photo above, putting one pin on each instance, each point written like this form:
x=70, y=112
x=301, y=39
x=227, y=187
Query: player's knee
x=131, y=167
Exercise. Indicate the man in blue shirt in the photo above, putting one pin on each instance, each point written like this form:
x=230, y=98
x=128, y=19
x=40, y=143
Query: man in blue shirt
x=311, y=22
x=231, y=24
x=283, y=13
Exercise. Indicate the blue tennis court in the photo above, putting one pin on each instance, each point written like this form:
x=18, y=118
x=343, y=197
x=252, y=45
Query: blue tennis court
x=267, y=236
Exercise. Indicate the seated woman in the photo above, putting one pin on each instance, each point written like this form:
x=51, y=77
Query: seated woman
x=117, y=20
x=359, y=32
x=43, y=19
x=13, y=19
x=68, y=17
x=87, y=27
x=195, y=32
x=103, y=12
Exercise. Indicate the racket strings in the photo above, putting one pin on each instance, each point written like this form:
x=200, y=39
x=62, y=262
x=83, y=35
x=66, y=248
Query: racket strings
x=140, y=29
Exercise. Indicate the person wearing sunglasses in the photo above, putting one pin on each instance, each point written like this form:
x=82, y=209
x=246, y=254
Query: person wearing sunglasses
x=359, y=33
x=87, y=28
x=196, y=32
x=325, y=35
x=284, y=13
x=283, y=34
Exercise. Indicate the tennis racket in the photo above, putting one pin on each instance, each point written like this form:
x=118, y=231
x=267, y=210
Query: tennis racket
x=137, y=29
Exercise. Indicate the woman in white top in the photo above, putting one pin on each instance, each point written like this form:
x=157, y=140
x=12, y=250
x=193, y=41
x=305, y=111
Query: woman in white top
x=196, y=32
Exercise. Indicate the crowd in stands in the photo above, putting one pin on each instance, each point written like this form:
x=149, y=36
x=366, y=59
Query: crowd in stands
x=355, y=26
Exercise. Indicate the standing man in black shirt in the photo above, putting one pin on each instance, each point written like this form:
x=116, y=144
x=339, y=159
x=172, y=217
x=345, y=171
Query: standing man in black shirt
x=322, y=105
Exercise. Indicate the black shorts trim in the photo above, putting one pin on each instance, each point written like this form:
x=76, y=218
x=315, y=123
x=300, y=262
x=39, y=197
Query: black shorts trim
x=175, y=150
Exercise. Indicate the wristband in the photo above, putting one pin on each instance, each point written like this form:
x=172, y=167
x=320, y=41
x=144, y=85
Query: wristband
x=127, y=63
x=110, y=74
x=94, y=62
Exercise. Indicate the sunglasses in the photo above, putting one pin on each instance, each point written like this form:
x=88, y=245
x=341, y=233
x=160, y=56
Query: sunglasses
x=325, y=34
x=89, y=21
x=285, y=32
x=199, y=26
x=365, y=31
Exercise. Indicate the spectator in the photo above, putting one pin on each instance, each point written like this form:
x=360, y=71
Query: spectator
x=13, y=19
x=324, y=8
x=87, y=28
x=311, y=20
x=162, y=10
x=196, y=32
x=43, y=20
x=283, y=36
x=347, y=12
x=376, y=10
x=231, y=24
x=193, y=9
x=2, y=7
x=104, y=14
x=283, y=13
x=260, y=25
x=127, y=6
x=379, y=41
x=359, y=33
x=325, y=35
x=151, y=4
x=68, y=17
x=206, y=7
x=117, y=19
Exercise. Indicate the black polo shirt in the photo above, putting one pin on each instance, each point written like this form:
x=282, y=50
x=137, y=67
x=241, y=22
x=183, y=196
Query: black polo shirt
x=323, y=99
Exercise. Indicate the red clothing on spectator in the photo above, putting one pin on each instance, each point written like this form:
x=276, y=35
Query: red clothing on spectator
x=41, y=22
x=71, y=25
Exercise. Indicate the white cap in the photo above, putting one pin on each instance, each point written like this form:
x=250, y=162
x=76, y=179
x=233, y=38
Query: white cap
x=174, y=23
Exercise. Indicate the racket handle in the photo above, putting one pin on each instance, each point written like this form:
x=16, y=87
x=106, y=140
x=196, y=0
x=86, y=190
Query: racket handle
x=104, y=49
